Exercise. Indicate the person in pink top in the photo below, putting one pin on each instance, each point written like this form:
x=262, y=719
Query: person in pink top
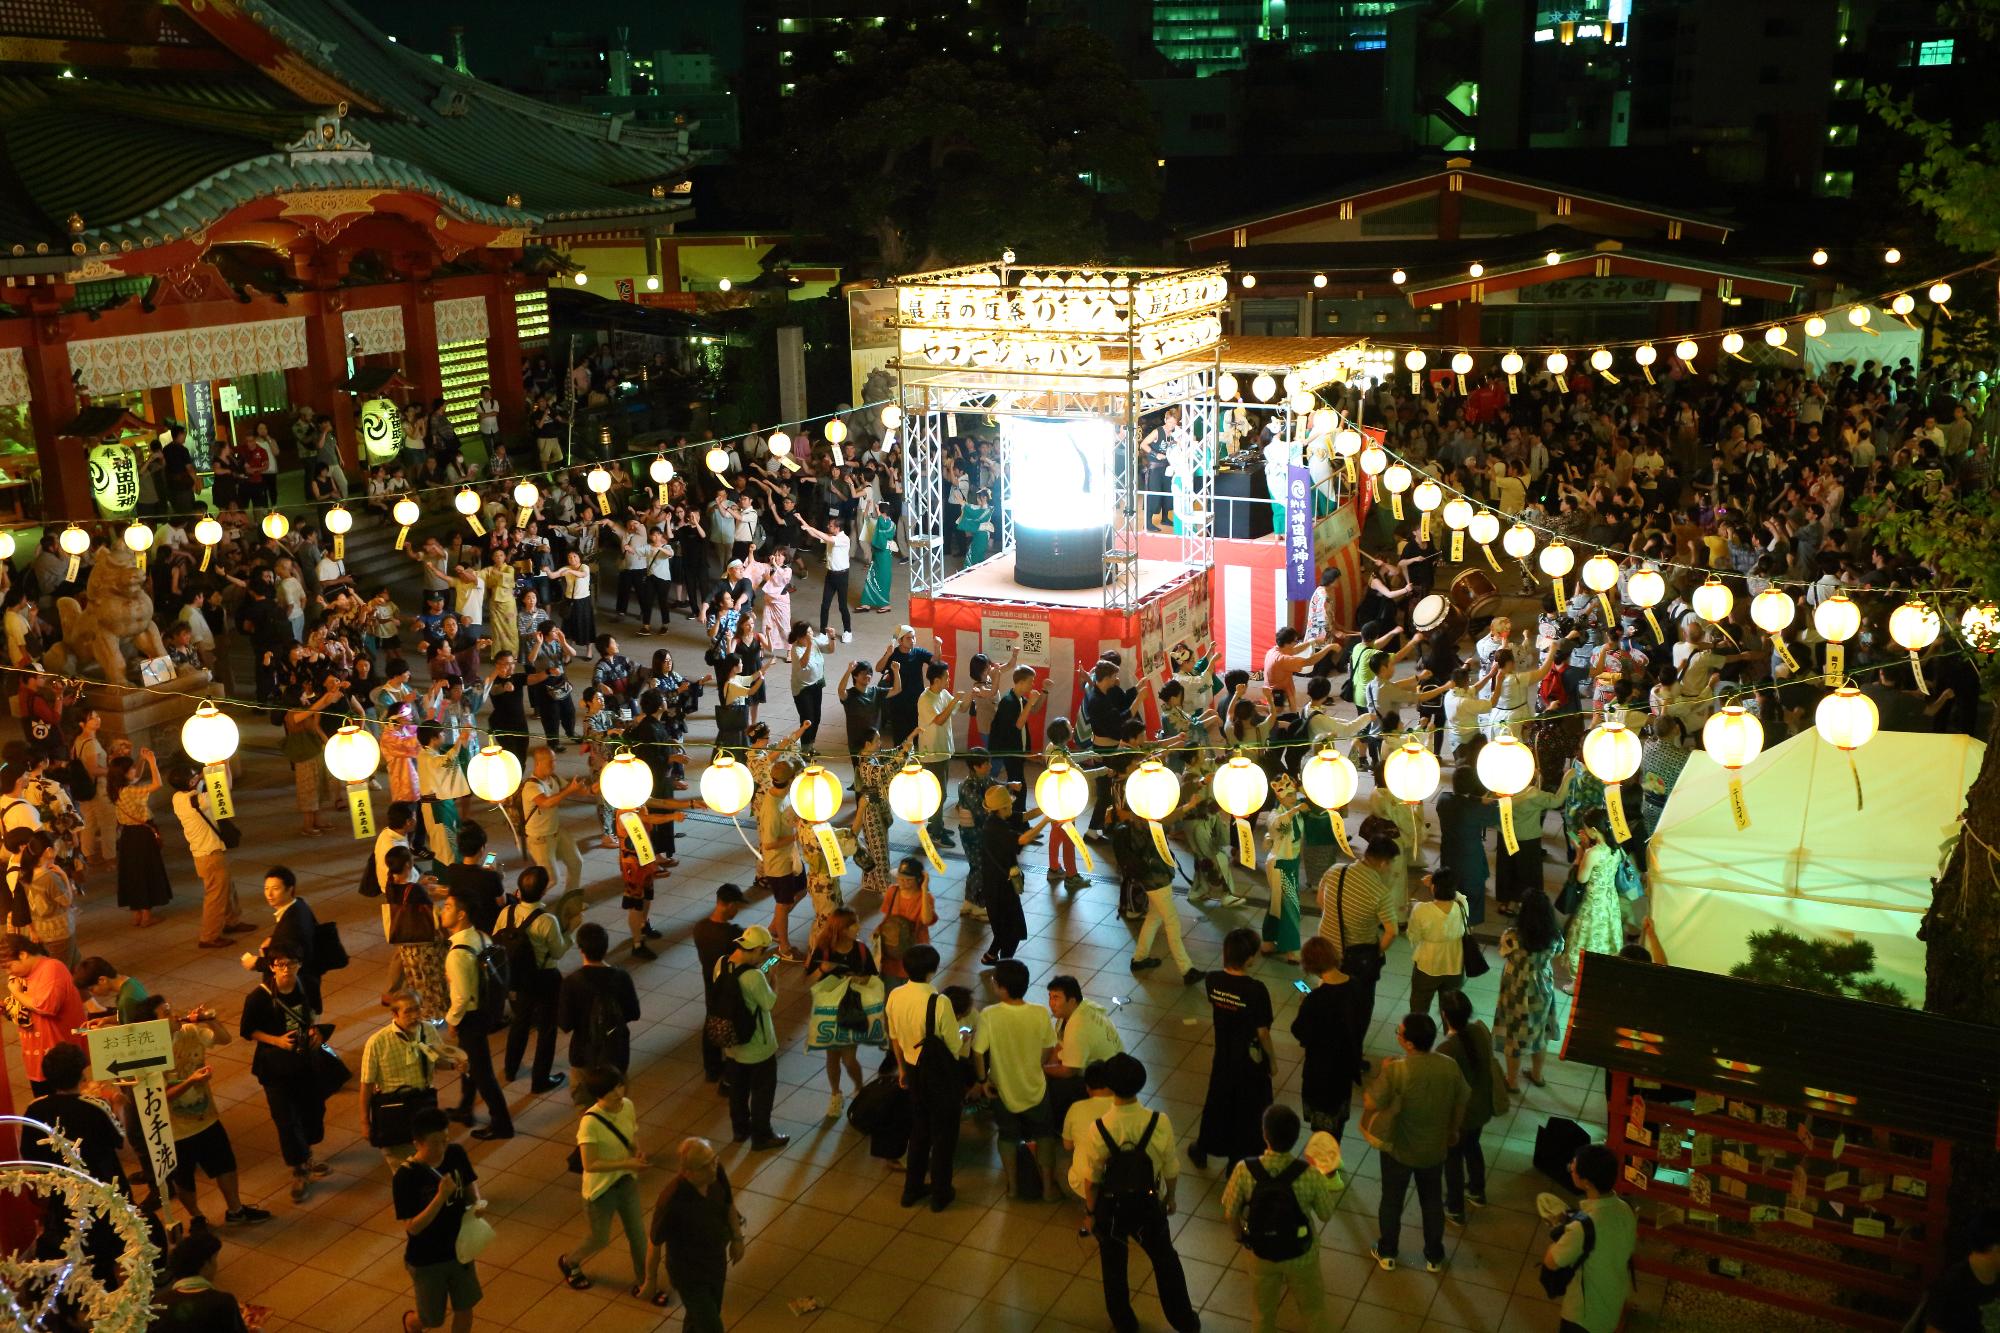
x=1289, y=656
x=399, y=755
x=42, y=1001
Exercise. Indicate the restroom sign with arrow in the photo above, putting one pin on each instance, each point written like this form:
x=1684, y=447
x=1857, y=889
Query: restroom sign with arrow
x=140, y=1055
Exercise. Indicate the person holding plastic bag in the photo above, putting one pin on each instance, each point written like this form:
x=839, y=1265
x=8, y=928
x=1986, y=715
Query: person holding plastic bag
x=847, y=996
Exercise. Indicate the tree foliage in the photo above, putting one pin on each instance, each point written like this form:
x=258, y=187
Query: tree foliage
x=941, y=153
x=1954, y=178
x=1825, y=967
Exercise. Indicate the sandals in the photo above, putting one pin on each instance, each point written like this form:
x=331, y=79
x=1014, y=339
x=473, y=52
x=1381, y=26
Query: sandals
x=659, y=1298
x=1537, y=1082
x=572, y=1274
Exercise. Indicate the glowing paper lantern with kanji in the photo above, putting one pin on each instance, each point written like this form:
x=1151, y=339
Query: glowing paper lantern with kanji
x=381, y=428
x=1557, y=560
x=816, y=795
x=339, y=522
x=1062, y=792
x=525, y=495
x=1611, y=753
x=1329, y=782
x=114, y=478
x=914, y=796
x=1847, y=720
x=1915, y=626
x=1733, y=737
x=209, y=737
x=1837, y=619
x=1153, y=792
x=1240, y=788
x=1507, y=767
x=493, y=774
x=352, y=756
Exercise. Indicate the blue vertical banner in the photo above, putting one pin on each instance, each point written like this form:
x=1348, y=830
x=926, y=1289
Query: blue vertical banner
x=1299, y=579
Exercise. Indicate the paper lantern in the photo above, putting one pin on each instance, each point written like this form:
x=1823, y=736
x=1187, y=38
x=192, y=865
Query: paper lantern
x=1240, y=788
x=1399, y=277
x=1837, y=619
x=1461, y=364
x=716, y=460
x=1264, y=388
x=1819, y=257
x=208, y=532
x=1914, y=626
x=1062, y=791
x=836, y=433
x=661, y=470
x=1815, y=326
x=139, y=538
x=1484, y=527
x=1519, y=541
x=1249, y=281
x=1428, y=495
x=493, y=774
x=466, y=501
x=1374, y=459
x=892, y=417
x=525, y=495
x=598, y=479
x=727, y=786
x=339, y=521
x=6, y=546
x=1347, y=442
x=1611, y=752
x=1558, y=364
x=816, y=794
x=1847, y=718
x=1511, y=363
x=1293, y=383
x=1556, y=561
x=914, y=793
x=1981, y=626
x=1396, y=478
x=1732, y=738
x=1645, y=354
x=381, y=427
x=114, y=478
x=1552, y=258
x=1892, y=256
x=1600, y=360
x=209, y=736
x=1776, y=335
x=1903, y=304
x=1414, y=361
x=1507, y=767
x=1685, y=349
x=1457, y=513
x=276, y=525
x=1153, y=790
x=1301, y=404
x=1732, y=343
x=1940, y=292
x=74, y=541
x=1476, y=269
x=1713, y=601
x=626, y=783
x=406, y=512
x=1324, y=421
x=1329, y=779
x=1857, y=315
x=1226, y=388
x=1772, y=610
x=1600, y=573
x=352, y=754
x=1411, y=771
x=1644, y=588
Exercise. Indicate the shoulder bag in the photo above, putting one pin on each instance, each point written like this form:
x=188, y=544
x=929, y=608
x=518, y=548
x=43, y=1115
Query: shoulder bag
x=575, y=1159
x=1474, y=957
x=1363, y=962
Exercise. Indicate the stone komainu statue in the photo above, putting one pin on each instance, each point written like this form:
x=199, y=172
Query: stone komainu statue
x=117, y=610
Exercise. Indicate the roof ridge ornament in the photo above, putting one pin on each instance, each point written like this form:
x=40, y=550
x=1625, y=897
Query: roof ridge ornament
x=329, y=138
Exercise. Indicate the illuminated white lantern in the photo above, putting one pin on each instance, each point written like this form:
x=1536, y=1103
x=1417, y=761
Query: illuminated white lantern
x=1062, y=792
x=1558, y=365
x=1428, y=495
x=1847, y=720
x=1264, y=388
x=1645, y=589
x=207, y=532
x=1981, y=626
x=1713, y=601
x=1611, y=752
x=1457, y=515
x=1644, y=355
x=717, y=461
x=1511, y=366
x=139, y=540
x=1411, y=771
x=1485, y=529
x=1600, y=575
x=276, y=525
x=1915, y=626
x=406, y=513
x=892, y=417
x=466, y=502
x=727, y=786
x=836, y=433
x=1732, y=738
x=1600, y=361
x=1815, y=326
x=1773, y=611
x=816, y=794
x=1329, y=779
x=1226, y=388
x=1940, y=292
x=1507, y=767
x=526, y=493
x=493, y=774
x=1240, y=788
x=1153, y=792
x=1519, y=541
x=352, y=755
x=339, y=521
x=1837, y=619
x=1556, y=561
x=209, y=737
x=1396, y=479
x=914, y=796
x=626, y=783
x=1414, y=361
x=598, y=479
x=1775, y=336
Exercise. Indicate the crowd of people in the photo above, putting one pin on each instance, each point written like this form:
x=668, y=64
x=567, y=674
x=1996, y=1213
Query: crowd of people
x=1757, y=478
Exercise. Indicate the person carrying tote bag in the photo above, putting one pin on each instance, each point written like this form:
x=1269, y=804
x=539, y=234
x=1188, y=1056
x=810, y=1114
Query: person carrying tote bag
x=1437, y=936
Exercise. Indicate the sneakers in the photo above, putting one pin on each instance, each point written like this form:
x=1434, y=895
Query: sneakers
x=847, y=636
x=639, y=950
x=1192, y=977
x=1232, y=900
x=1385, y=1262
x=1141, y=964
x=1076, y=881
x=245, y=1215
x=834, y=1103
x=1476, y=1200
x=1455, y=1219
x=301, y=1183
x=1434, y=1265
x=769, y=1141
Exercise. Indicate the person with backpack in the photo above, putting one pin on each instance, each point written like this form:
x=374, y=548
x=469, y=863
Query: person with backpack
x=1589, y=1259
x=596, y=1005
x=475, y=974
x=1277, y=1203
x=533, y=939
x=1414, y=1110
x=740, y=1006
x=714, y=937
x=208, y=840
x=1125, y=1169
x=924, y=1036
x=281, y=1020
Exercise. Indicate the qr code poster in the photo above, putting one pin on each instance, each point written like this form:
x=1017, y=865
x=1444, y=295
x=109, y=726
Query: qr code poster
x=1000, y=636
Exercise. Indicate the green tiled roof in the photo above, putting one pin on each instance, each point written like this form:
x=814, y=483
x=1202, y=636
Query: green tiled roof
x=148, y=157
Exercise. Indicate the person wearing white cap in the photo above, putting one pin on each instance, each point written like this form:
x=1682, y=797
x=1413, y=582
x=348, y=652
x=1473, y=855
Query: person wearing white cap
x=753, y=1082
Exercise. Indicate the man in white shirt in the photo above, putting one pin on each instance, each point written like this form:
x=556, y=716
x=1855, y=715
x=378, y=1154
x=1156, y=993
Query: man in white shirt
x=542, y=797
x=1594, y=1301
x=397, y=822
x=916, y=1013
x=442, y=784
x=635, y=546
x=1084, y=1035
x=465, y=1025
x=838, y=552
x=1012, y=1043
x=1118, y=1218
x=489, y=421
x=219, y=912
x=535, y=996
x=934, y=709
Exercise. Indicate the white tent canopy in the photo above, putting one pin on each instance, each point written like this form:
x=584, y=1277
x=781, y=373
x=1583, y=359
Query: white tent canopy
x=1810, y=862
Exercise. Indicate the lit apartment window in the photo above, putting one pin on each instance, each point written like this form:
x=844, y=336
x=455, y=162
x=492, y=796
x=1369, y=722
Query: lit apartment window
x=1938, y=52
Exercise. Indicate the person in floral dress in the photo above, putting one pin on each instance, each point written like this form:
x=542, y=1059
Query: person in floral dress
x=875, y=766
x=775, y=583
x=1285, y=843
x=1525, y=1019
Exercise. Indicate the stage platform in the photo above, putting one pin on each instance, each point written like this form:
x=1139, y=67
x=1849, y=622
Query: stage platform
x=992, y=580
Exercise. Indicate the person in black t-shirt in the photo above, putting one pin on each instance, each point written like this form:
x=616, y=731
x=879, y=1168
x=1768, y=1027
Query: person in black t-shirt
x=1968, y=1286
x=696, y=1234
x=90, y=1125
x=596, y=1005
x=191, y=1304
x=432, y=1192
x=472, y=881
x=1239, y=1073
x=714, y=937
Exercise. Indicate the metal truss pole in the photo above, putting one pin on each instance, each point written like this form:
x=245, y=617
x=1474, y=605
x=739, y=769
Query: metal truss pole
x=923, y=494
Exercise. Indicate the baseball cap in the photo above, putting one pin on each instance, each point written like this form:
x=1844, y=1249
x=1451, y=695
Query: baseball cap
x=729, y=893
x=756, y=937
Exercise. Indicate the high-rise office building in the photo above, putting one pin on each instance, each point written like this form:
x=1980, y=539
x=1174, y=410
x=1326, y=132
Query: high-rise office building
x=1213, y=36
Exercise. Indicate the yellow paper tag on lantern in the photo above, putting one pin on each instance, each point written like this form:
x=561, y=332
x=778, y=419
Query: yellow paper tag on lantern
x=1488, y=550
x=206, y=552
x=76, y=563
x=1160, y=841
x=478, y=528
x=635, y=833
x=930, y=849
x=1424, y=526
x=603, y=504
x=360, y=810
x=1457, y=547
x=1737, y=808
x=1349, y=460
x=1784, y=654
x=1836, y=663
x=1614, y=808
x=1917, y=670
x=521, y=517
x=215, y=777
x=1560, y=599
x=1507, y=825
x=1246, y=846
x=339, y=547
x=661, y=489
x=1513, y=385
x=1653, y=624
x=829, y=849
x=1340, y=834
x=140, y=556
x=1077, y=839
x=402, y=535
x=1610, y=616
x=1395, y=506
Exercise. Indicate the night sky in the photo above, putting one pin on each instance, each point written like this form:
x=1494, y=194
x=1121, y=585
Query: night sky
x=501, y=34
